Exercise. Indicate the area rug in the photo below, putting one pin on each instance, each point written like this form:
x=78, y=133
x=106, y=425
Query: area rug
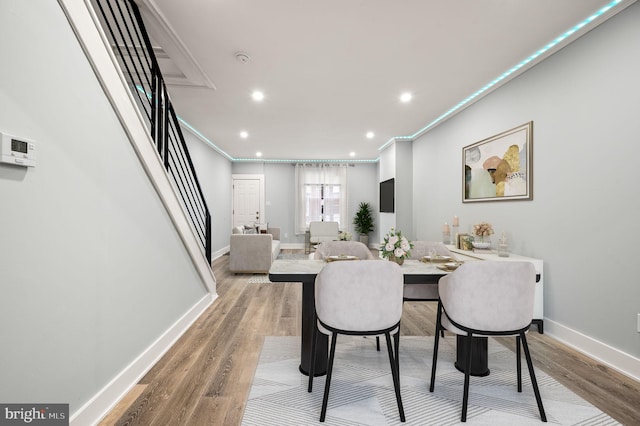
x=362, y=389
x=259, y=279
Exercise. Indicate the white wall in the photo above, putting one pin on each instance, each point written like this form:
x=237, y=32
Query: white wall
x=92, y=268
x=363, y=187
x=404, y=189
x=396, y=162
x=584, y=102
x=214, y=174
x=386, y=171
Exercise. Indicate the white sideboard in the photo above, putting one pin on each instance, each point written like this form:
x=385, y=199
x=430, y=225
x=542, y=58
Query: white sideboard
x=538, y=308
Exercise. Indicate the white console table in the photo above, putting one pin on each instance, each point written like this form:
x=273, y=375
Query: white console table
x=538, y=308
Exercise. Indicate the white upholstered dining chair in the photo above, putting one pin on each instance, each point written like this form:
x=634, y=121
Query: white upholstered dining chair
x=488, y=298
x=339, y=248
x=425, y=292
x=362, y=298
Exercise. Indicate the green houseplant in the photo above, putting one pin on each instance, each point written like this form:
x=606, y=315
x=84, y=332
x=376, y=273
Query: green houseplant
x=363, y=221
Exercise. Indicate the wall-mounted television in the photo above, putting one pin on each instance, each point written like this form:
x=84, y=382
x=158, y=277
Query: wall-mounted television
x=387, y=196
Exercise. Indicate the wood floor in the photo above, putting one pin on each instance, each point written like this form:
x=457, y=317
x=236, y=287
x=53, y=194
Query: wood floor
x=206, y=376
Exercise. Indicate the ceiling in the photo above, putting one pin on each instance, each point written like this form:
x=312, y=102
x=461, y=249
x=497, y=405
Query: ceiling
x=333, y=70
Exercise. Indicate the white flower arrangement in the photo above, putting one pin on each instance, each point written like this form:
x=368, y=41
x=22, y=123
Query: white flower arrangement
x=344, y=236
x=395, y=244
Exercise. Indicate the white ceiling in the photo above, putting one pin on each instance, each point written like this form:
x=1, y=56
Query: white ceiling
x=332, y=70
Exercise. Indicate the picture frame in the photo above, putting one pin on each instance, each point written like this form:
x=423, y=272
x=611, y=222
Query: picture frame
x=499, y=168
x=459, y=240
x=466, y=242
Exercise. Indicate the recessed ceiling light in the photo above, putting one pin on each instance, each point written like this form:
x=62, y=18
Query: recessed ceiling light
x=258, y=154
x=406, y=97
x=244, y=134
x=370, y=135
x=257, y=95
x=352, y=154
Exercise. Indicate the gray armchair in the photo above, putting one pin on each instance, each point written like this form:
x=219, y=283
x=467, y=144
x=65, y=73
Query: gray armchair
x=319, y=232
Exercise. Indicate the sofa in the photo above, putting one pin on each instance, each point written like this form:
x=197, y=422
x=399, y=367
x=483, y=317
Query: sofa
x=251, y=252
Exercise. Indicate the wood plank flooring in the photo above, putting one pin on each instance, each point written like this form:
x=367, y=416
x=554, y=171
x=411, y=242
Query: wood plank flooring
x=204, y=379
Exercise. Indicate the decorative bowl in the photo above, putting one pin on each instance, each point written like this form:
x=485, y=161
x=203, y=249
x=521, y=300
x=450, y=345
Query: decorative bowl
x=481, y=244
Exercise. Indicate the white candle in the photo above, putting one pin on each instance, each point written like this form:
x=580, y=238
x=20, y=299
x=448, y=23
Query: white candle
x=456, y=221
x=445, y=228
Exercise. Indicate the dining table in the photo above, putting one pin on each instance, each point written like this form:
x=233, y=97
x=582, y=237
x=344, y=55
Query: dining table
x=416, y=272
x=305, y=271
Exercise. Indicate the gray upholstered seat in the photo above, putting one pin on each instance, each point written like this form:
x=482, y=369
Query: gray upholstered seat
x=362, y=297
x=337, y=248
x=488, y=298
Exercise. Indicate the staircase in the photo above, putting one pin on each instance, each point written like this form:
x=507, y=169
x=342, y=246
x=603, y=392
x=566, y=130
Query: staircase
x=122, y=24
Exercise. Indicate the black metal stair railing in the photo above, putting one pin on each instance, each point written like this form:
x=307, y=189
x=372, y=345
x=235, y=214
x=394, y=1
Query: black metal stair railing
x=123, y=25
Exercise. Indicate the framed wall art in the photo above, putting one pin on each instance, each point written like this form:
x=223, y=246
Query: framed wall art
x=499, y=168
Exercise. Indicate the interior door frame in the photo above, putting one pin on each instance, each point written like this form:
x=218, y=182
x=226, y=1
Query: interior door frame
x=234, y=178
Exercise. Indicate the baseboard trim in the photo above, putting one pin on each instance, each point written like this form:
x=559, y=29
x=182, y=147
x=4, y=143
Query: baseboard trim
x=291, y=246
x=106, y=399
x=219, y=253
x=608, y=355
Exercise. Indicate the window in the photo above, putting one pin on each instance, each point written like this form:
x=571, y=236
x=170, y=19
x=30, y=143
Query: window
x=321, y=194
x=322, y=203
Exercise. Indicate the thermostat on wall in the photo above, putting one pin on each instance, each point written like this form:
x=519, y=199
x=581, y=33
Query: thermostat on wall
x=18, y=151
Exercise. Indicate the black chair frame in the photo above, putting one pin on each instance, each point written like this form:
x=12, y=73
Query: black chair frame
x=393, y=360
x=520, y=339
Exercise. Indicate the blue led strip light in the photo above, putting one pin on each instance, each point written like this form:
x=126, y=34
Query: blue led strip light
x=506, y=74
x=190, y=127
x=455, y=108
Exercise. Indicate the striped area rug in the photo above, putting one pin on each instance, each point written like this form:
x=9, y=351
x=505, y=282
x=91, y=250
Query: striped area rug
x=259, y=279
x=362, y=389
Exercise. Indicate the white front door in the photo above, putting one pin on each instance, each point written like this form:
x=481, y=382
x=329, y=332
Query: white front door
x=248, y=199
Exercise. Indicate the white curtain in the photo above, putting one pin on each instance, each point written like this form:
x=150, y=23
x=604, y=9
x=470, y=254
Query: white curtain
x=312, y=180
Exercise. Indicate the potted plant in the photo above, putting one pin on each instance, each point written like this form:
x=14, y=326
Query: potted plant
x=363, y=221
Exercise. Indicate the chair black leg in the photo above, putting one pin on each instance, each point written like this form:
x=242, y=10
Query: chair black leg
x=534, y=382
x=467, y=370
x=327, y=384
x=518, y=364
x=435, y=346
x=396, y=345
x=396, y=342
x=378, y=343
x=395, y=374
x=312, y=367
